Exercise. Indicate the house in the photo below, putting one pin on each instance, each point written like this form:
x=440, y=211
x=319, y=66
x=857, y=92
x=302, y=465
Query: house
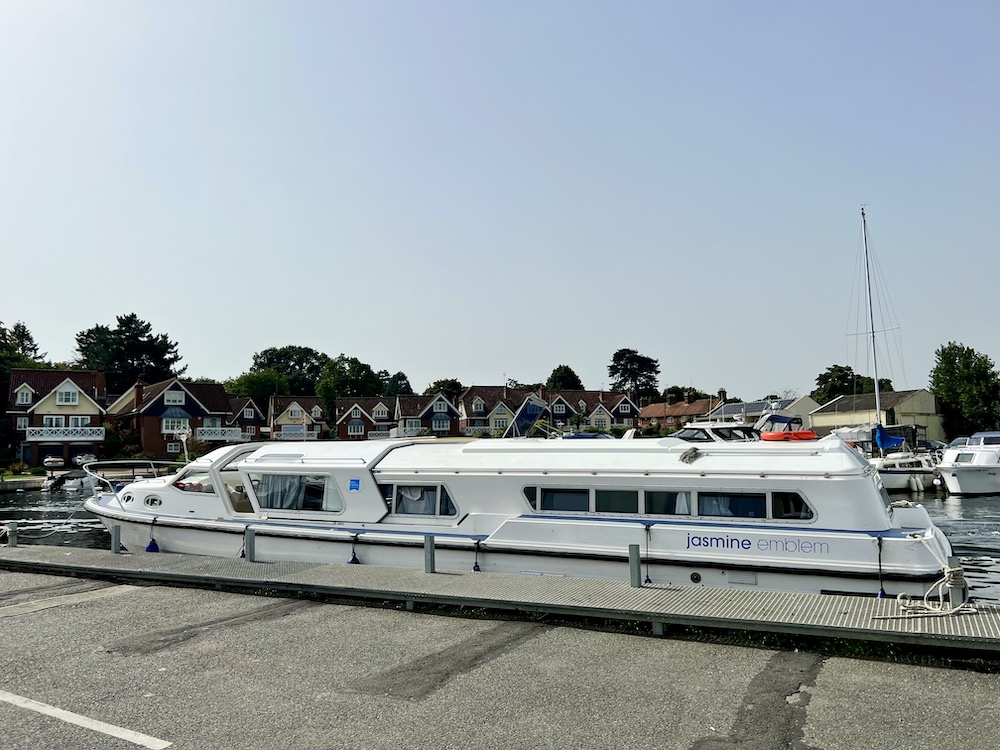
x=365, y=418
x=751, y=411
x=495, y=409
x=57, y=413
x=248, y=417
x=160, y=416
x=426, y=415
x=673, y=414
x=917, y=407
x=296, y=418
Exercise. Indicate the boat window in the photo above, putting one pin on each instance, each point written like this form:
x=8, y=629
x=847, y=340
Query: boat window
x=789, y=505
x=531, y=495
x=386, y=490
x=556, y=499
x=617, y=501
x=735, y=504
x=195, y=482
x=693, y=435
x=297, y=492
x=964, y=458
x=423, y=500
x=664, y=503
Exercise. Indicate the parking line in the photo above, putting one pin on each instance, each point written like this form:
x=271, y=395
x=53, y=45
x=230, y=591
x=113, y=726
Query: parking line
x=136, y=738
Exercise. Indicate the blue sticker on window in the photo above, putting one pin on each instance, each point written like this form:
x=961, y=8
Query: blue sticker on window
x=354, y=485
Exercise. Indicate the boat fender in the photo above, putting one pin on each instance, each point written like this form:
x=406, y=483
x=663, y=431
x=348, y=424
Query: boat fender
x=152, y=546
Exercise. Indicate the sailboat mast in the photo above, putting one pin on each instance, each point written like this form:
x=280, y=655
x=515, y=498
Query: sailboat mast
x=871, y=316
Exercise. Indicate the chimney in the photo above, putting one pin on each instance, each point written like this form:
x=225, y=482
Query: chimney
x=722, y=395
x=689, y=397
x=671, y=399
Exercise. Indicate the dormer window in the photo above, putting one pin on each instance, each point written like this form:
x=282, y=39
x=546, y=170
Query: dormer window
x=173, y=398
x=626, y=408
x=381, y=413
x=24, y=397
x=477, y=407
x=356, y=413
x=67, y=397
x=295, y=413
x=317, y=412
x=440, y=406
x=582, y=405
x=558, y=408
x=248, y=413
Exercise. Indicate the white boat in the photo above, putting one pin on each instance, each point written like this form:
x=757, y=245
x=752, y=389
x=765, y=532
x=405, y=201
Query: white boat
x=75, y=480
x=810, y=516
x=973, y=468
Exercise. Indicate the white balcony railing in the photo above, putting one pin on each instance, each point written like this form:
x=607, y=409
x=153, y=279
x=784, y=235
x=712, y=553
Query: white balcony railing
x=91, y=434
x=296, y=435
x=378, y=434
x=229, y=434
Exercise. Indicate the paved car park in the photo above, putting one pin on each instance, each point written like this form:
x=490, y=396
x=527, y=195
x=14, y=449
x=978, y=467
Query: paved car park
x=91, y=664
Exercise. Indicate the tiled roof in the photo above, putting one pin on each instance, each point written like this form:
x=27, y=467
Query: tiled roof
x=42, y=382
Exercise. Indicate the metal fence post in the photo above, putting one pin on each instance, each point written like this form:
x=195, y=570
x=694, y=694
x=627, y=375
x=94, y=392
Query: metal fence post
x=634, y=566
x=116, y=539
x=12, y=534
x=250, y=544
x=429, y=554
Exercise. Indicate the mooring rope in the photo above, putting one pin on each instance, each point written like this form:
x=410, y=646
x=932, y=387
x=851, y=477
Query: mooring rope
x=939, y=605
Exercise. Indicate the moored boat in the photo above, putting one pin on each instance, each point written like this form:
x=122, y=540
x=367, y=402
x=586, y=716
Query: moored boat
x=973, y=468
x=785, y=516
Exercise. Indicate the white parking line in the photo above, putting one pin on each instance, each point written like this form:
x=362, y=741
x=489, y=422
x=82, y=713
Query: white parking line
x=136, y=738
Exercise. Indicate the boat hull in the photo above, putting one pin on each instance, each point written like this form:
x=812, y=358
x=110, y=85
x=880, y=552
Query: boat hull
x=972, y=480
x=282, y=542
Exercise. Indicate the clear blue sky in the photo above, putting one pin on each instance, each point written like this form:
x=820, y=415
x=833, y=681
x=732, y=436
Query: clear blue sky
x=477, y=189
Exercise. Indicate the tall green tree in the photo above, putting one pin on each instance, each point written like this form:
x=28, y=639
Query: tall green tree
x=395, y=385
x=634, y=372
x=128, y=352
x=967, y=385
x=841, y=380
x=259, y=385
x=563, y=378
x=680, y=391
x=17, y=350
x=346, y=376
x=450, y=387
x=302, y=365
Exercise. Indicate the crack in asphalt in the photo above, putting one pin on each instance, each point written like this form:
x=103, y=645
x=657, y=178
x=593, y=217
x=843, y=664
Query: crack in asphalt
x=773, y=710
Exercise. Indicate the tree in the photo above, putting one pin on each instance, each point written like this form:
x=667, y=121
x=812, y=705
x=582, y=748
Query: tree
x=20, y=338
x=841, y=380
x=450, y=387
x=395, y=385
x=511, y=383
x=259, y=385
x=127, y=353
x=631, y=371
x=563, y=378
x=968, y=387
x=347, y=376
x=301, y=365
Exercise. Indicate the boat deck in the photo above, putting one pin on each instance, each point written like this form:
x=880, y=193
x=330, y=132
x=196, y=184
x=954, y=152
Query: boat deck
x=836, y=617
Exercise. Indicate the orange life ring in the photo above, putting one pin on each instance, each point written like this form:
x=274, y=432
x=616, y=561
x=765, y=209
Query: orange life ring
x=789, y=435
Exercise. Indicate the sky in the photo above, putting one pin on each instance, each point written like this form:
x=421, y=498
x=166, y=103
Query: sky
x=480, y=190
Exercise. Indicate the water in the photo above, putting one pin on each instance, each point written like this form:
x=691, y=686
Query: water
x=971, y=523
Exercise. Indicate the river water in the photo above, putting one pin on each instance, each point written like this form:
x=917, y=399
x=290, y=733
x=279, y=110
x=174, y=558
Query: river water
x=971, y=523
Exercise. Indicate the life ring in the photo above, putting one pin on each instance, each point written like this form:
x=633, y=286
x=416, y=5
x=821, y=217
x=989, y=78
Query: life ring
x=789, y=435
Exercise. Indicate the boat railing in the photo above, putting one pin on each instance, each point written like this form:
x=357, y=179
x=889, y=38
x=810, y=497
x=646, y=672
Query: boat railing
x=108, y=474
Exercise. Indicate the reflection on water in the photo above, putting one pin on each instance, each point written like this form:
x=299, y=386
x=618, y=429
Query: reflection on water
x=54, y=518
x=971, y=523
